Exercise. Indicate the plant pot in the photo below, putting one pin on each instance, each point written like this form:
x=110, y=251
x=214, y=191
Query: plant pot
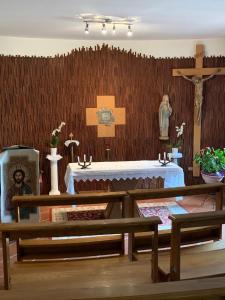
x=174, y=150
x=212, y=177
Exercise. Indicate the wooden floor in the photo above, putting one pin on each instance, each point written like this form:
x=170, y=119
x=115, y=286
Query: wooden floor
x=76, y=279
x=111, y=278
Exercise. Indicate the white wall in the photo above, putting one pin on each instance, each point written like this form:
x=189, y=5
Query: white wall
x=156, y=48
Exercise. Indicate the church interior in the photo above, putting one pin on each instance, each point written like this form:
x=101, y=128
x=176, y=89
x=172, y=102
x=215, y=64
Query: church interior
x=112, y=149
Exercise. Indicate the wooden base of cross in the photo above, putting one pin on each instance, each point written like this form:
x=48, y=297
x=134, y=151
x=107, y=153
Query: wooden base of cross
x=198, y=72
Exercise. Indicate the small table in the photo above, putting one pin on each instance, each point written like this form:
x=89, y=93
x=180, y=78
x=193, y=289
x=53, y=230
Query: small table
x=172, y=173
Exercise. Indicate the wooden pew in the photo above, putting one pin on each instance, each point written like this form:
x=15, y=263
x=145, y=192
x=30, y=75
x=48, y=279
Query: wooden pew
x=47, y=249
x=78, y=228
x=188, y=235
x=199, y=261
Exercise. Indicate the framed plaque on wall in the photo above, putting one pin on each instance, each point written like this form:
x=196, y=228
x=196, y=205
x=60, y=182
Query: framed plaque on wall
x=19, y=173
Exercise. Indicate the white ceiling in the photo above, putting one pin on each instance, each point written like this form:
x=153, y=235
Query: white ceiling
x=158, y=19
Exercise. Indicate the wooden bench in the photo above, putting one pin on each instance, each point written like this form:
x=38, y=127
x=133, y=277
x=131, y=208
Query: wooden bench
x=199, y=261
x=78, y=228
x=47, y=249
x=188, y=235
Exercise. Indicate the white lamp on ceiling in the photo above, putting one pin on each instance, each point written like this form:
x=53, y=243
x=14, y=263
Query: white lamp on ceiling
x=129, y=32
x=114, y=29
x=86, y=30
x=104, y=31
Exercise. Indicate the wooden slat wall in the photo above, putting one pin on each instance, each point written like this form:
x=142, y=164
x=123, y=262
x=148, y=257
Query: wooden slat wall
x=37, y=93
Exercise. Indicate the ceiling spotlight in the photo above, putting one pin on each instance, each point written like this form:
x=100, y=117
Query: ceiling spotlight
x=129, y=32
x=114, y=29
x=86, y=30
x=104, y=31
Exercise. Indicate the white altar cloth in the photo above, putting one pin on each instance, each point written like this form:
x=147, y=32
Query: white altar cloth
x=109, y=170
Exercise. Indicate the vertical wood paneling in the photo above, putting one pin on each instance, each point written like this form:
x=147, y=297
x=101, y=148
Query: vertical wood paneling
x=37, y=93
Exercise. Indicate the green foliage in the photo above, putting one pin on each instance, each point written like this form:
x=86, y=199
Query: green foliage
x=211, y=160
x=54, y=141
x=177, y=144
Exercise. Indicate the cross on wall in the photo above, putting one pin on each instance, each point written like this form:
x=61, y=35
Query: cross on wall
x=105, y=116
x=198, y=72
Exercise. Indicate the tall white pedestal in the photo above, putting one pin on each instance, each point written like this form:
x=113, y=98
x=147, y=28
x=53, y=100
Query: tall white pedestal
x=54, y=157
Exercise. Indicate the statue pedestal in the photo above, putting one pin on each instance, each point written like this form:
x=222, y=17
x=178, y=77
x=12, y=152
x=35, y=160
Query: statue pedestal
x=175, y=156
x=54, y=157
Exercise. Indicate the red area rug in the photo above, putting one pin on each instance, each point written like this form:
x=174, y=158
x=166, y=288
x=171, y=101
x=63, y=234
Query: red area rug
x=86, y=215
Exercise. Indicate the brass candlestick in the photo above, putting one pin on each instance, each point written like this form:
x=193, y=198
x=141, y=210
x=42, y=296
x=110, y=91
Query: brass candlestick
x=85, y=163
x=165, y=161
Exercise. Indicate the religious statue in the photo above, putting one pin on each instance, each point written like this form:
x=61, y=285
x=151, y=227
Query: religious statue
x=165, y=111
x=198, y=83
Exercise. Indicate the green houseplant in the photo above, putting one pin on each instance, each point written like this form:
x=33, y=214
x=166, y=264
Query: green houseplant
x=212, y=163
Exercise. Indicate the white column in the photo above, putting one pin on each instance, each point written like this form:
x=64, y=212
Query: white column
x=54, y=157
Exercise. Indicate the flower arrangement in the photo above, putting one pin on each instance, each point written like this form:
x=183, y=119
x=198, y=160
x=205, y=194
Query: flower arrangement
x=211, y=160
x=55, y=135
x=179, y=138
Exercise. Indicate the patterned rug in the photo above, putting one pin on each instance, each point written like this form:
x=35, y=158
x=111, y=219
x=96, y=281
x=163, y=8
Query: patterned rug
x=70, y=213
x=86, y=215
x=163, y=210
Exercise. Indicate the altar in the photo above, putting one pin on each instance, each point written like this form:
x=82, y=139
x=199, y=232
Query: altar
x=109, y=170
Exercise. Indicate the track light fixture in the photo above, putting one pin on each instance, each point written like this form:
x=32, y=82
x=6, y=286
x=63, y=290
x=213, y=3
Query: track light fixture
x=86, y=30
x=108, y=20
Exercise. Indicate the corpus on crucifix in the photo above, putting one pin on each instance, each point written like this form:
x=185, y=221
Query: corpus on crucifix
x=198, y=83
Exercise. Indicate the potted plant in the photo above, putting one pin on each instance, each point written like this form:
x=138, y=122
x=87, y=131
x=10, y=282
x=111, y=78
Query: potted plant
x=55, y=137
x=212, y=163
x=176, y=145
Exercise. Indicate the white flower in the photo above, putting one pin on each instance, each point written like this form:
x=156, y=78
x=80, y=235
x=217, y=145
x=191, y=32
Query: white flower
x=180, y=129
x=58, y=129
x=60, y=126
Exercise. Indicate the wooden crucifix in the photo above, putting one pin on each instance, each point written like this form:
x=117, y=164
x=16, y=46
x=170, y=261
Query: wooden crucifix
x=197, y=79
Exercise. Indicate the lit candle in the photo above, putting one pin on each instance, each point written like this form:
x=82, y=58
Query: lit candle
x=84, y=157
x=159, y=156
x=91, y=158
x=164, y=156
x=78, y=158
